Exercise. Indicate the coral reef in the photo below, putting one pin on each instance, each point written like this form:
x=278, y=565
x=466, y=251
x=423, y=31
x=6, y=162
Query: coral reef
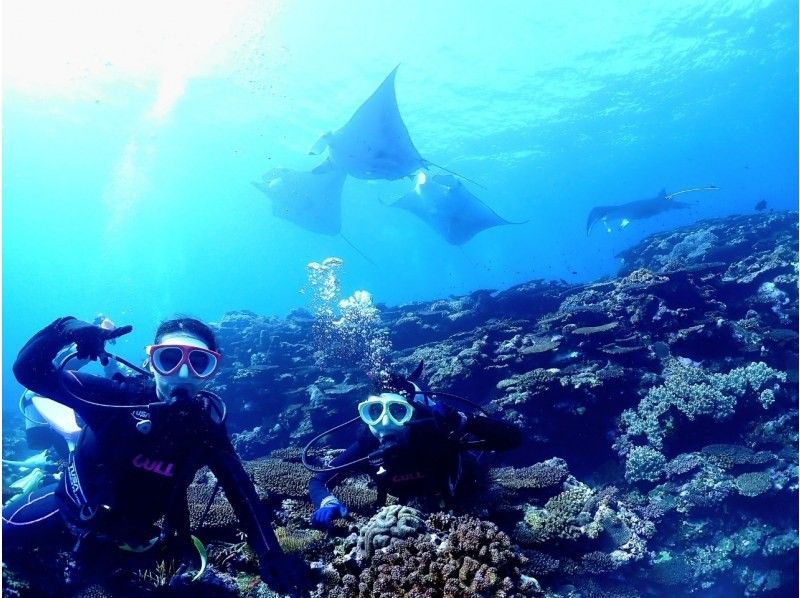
x=659, y=410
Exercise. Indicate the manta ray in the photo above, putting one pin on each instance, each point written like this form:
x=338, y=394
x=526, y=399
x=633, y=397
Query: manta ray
x=311, y=201
x=374, y=143
x=639, y=209
x=449, y=208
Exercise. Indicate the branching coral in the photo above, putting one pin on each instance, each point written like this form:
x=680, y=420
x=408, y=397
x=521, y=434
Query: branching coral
x=561, y=517
x=283, y=478
x=585, y=517
x=691, y=392
x=474, y=558
x=644, y=464
x=296, y=540
x=357, y=494
x=220, y=515
x=706, y=490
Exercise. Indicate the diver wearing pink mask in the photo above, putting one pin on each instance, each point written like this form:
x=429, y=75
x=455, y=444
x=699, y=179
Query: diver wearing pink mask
x=144, y=440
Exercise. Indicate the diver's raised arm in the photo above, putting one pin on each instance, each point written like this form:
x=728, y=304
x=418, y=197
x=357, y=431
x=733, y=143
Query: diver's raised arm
x=35, y=370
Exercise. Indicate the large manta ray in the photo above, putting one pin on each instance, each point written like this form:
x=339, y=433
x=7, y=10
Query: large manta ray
x=449, y=208
x=374, y=144
x=639, y=209
x=311, y=201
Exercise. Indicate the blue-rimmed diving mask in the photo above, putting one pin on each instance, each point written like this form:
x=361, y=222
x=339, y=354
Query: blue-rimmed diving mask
x=385, y=414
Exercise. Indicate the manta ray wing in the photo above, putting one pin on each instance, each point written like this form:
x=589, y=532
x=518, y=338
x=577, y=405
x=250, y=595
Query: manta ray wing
x=595, y=215
x=311, y=201
x=374, y=143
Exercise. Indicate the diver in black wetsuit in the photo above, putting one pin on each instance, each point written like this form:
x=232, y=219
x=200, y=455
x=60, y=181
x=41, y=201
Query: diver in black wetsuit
x=141, y=446
x=413, y=449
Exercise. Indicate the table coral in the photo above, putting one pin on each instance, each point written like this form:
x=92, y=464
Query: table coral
x=754, y=483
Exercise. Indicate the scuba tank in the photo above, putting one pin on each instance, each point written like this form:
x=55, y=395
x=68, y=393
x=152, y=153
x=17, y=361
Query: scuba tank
x=38, y=433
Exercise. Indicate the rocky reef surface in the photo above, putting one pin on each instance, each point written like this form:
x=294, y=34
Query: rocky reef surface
x=659, y=408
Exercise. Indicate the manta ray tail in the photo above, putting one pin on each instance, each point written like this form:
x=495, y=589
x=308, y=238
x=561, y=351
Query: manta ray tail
x=709, y=188
x=357, y=250
x=447, y=170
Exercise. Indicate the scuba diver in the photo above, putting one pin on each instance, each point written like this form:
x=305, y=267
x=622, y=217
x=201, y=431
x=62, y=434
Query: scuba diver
x=142, y=443
x=414, y=447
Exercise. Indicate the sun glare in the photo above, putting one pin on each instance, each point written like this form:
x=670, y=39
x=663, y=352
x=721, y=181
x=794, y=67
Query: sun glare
x=74, y=50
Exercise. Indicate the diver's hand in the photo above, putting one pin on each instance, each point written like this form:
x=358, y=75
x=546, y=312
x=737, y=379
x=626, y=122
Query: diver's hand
x=331, y=509
x=90, y=340
x=287, y=574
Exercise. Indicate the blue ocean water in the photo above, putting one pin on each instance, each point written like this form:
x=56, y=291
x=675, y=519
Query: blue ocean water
x=131, y=136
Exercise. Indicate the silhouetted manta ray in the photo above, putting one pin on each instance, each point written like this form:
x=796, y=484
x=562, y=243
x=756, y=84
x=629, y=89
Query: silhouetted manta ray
x=311, y=201
x=639, y=209
x=374, y=144
x=449, y=208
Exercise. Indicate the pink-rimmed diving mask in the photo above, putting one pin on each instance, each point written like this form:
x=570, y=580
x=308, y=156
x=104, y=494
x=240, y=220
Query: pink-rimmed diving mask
x=168, y=358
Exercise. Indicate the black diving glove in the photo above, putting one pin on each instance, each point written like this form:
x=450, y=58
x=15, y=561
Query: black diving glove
x=286, y=574
x=90, y=340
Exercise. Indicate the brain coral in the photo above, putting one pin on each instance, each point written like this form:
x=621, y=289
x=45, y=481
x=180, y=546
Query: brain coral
x=389, y=525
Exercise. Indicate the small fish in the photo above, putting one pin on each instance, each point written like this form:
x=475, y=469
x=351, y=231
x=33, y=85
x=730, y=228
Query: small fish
x=760, y=206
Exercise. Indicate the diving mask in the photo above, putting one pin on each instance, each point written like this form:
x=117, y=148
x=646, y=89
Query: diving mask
x=168, y=358
x=387, y=409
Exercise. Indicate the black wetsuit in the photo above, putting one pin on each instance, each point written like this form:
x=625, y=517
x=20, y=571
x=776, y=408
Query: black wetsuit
x=426, y=464
x=123, y=477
